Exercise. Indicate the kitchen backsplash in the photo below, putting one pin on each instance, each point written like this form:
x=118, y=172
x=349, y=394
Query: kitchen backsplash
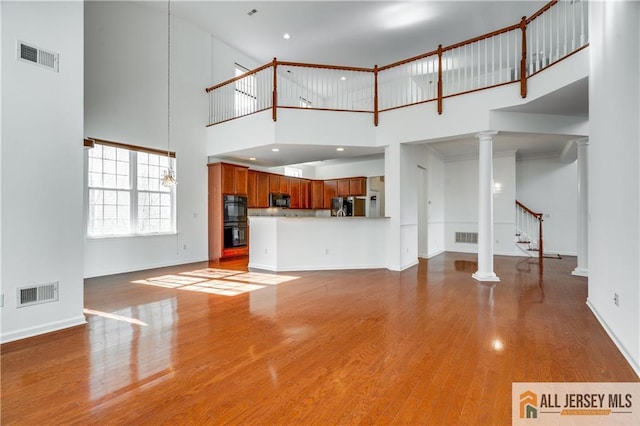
x=274, y=211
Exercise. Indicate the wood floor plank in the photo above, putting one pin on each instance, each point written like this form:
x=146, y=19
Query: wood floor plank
x=208, y=343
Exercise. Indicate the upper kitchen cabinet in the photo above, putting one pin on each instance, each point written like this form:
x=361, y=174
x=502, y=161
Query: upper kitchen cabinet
x=252, y=189
x=279, y=184
x=330, y=191
x=305, y=194
x=358, y=186
x=234, y=179
x=317, y=194
x=354, y=186
x=258, y=190
x=262, y=196
x=343, y=188
x=294, y=192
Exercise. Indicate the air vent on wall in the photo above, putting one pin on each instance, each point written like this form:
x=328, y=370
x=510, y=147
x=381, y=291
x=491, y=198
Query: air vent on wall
x=35, y=55
x=34, y=295
x=467, y=237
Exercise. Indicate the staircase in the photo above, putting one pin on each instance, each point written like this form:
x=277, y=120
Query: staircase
x=528, y=231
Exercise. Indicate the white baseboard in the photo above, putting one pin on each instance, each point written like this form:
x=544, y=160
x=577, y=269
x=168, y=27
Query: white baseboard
x=311, y=267
x=431, y=255
x=632, y=362
x=42, y=329
x=145, y=267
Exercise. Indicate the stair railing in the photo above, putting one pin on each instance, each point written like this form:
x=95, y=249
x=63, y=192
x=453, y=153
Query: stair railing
x=529, y=227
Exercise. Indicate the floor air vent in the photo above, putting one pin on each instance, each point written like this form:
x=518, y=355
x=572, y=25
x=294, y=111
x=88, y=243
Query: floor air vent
x=34, y=295
x=467, y=237
x=35, y=55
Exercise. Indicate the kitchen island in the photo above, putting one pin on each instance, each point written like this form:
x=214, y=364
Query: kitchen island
x=317, y=243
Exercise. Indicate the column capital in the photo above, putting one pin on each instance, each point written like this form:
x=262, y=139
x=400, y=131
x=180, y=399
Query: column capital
x=489, y=134
x=582, y=142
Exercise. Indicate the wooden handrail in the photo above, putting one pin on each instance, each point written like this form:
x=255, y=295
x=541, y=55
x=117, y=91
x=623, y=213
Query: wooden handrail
x=406, y=61
x=323, y=66
x=542, y=10
x=528, y=210
x=239, y=77
x=482, y=37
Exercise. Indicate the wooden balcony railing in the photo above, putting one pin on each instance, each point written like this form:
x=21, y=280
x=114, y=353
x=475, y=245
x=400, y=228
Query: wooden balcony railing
x=508, y=55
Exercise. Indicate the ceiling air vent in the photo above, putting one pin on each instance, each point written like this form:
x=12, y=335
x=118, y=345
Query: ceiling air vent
x=35, y=295
x=35, y=55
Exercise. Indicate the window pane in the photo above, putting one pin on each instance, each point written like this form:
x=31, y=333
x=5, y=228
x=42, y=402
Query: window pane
x=109, y=152
x=110, y=192
x=95, y=179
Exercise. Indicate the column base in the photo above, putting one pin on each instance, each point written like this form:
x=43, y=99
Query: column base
x=580, y=272
x=483, y=276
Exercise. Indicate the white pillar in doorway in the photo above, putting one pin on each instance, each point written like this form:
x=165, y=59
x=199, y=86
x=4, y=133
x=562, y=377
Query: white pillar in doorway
x=583, y=209
x=485, y=209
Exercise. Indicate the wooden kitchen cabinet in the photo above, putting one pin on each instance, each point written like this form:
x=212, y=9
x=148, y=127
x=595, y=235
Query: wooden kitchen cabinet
x=330, y=191
x=234, y=179
x=343, y=188
x=294, y=193
x=305, y=193
x=252, y=189
x=317, y=194
x=258, y=190
x=358, y=186
x=224, y=179
x=279, y=184
x=262, y=192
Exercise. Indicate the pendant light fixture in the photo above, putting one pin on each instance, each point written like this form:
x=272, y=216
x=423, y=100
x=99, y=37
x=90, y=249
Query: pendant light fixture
x=168, y=177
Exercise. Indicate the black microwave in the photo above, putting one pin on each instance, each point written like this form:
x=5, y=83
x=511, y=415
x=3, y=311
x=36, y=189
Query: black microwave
x=279, y=200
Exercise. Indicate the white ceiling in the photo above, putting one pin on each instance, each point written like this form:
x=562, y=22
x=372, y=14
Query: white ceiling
x=351, y=33
x=368, y=33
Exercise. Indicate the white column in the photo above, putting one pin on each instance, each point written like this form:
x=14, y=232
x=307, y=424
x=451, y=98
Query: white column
x=485, y=209
x=583, y=209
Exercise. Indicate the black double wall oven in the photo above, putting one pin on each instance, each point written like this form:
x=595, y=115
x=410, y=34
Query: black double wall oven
x=235, y=221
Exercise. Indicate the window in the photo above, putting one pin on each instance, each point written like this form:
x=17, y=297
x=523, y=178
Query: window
x=246, y=100
x=292, y=171
x=125, y=194
x=304, y=103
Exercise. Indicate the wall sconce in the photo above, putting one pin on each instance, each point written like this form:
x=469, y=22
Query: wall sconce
x=497, y=188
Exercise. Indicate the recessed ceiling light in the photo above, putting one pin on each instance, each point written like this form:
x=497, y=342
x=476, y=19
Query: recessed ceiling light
x=275, y=149
x=286, y=36
x=252, y=158
x=340, y=149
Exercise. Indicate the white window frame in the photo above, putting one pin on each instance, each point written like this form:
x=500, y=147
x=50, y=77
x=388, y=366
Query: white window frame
x=292, y=171
x=132, y=188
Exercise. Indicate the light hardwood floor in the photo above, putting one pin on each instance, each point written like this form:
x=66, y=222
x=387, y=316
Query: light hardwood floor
x=211, y=344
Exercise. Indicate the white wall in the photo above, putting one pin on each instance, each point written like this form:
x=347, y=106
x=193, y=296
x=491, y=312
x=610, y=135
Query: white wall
x=461, y=203
x=42, y=166
x=430, y=203
x=367, y=168
x=614, y=177
x=126, y=101
x=548, y=186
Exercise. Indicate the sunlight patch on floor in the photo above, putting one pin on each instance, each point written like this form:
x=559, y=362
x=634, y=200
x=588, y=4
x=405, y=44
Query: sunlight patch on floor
x=223, y=282
x=114, y=316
